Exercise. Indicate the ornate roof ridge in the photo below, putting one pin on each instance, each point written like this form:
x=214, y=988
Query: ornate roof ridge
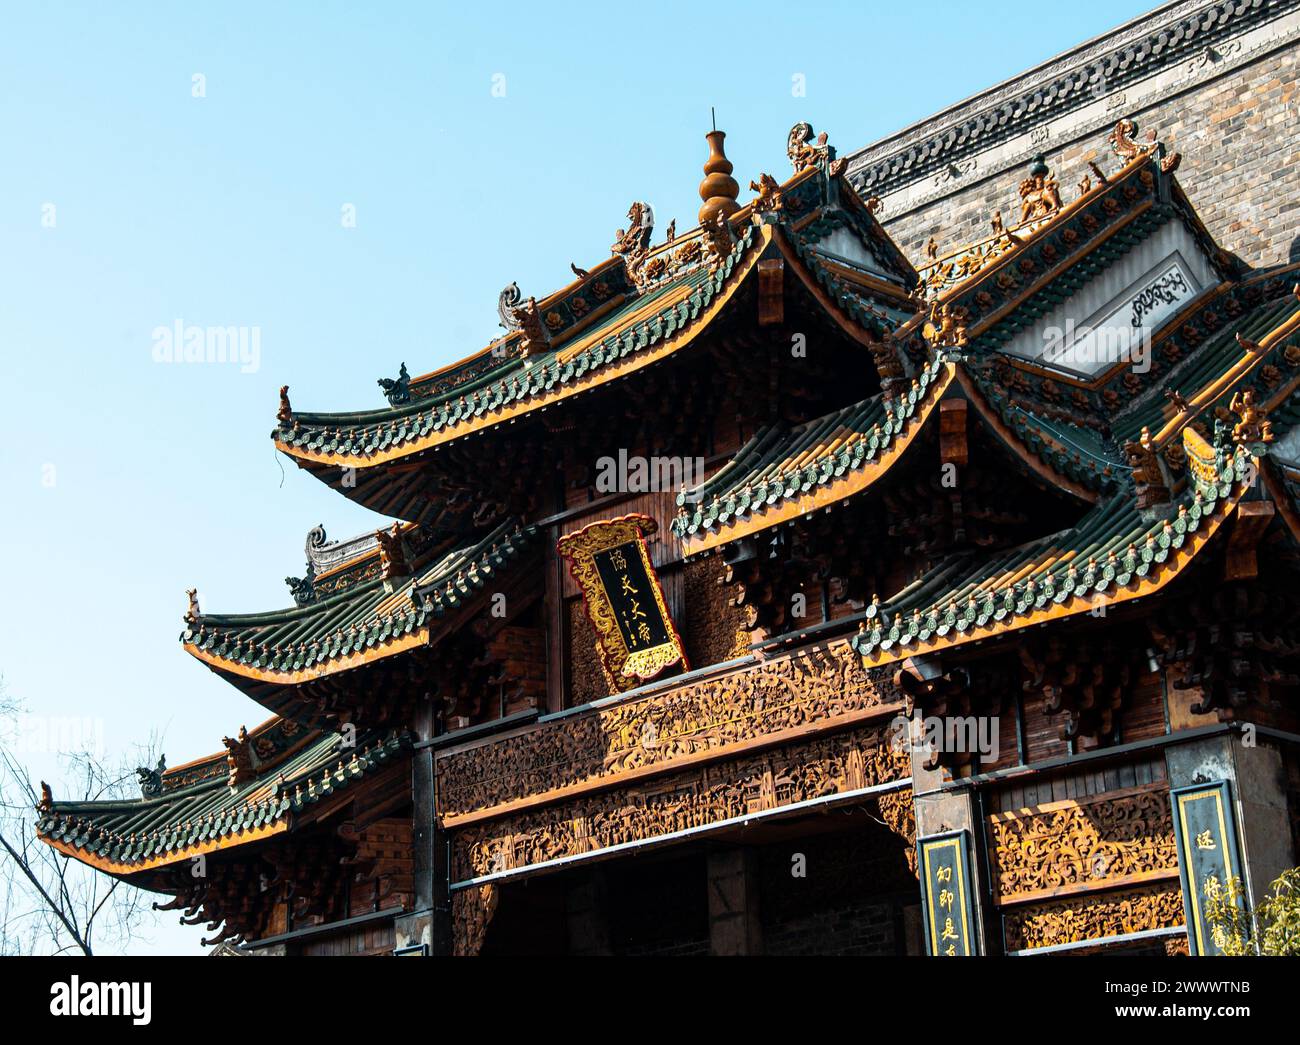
x=513, y=381
x=1165, y=37
x=538, y=325
x=126, y=837
x=383, y=617
x=1116, y=553
x=1258, y=350
x=1054, y=217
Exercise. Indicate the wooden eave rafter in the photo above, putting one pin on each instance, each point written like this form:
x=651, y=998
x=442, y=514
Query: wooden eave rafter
x=766, y=234
x=1017, y=447
x=432, y=631
x=1139, y=588
x=292, y=813
x=829, y=493
x=953, y=379
x=391, y=648
x=213, y=845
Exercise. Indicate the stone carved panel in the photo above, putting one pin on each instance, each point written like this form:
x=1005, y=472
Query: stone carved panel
x=1080, y=845
x=703, y=797
x=707, y=716
x=1094, y=917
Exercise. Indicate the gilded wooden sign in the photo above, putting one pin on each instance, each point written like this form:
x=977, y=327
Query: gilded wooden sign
x=635, y=636
x=946, y=895
x=1204, y=826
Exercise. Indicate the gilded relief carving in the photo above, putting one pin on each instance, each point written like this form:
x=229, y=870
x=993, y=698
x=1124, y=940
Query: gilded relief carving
x=707, y=796
x=898, y=810
x=708, y=716
x=471, y=911
x=1094, y=917
x=1078, y=845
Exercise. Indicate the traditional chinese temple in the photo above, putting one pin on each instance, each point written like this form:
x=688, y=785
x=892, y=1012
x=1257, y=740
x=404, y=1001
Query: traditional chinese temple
x=827, y=578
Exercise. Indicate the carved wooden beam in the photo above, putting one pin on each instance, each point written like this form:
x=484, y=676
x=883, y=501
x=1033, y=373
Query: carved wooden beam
x=1234, y=646
x=771, y=292
x=953, y=446
x=1087, y=680
x=1252, y=519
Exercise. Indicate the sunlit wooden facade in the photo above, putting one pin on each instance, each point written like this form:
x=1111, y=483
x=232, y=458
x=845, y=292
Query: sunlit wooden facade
x=772, y=589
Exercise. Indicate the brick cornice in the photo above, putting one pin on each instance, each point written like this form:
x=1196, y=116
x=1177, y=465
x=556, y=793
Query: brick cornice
x=1157, y=42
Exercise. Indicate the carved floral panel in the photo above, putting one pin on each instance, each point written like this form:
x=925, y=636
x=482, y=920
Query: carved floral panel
x=700, y=718
x=1078, y=845
x=1094, y=917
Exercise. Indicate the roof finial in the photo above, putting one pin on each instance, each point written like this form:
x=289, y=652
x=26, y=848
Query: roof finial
x=719, y=189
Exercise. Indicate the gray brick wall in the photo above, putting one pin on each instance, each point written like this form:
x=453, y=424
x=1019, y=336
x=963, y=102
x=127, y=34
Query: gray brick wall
x=1239, y=136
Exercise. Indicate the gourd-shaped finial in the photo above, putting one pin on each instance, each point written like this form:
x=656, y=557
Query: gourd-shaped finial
x=719, y=189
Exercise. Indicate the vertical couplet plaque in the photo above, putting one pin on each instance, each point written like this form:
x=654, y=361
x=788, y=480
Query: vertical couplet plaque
x=1206, y=835
x=946, y=895
x=635, y=636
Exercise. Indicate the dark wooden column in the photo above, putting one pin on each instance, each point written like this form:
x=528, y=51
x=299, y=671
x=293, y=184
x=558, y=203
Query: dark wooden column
x=734, y=926
x=429, y=921
x=586, y=910
x=940, y=811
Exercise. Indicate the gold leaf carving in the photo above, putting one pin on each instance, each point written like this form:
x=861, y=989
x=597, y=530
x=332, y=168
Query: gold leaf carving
x=1094, y=917
x=743, y=786
x=898, y=810
x=1084, y=843
x=707, y=716
x=471, y=911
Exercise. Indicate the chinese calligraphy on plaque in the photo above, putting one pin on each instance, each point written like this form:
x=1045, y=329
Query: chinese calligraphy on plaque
x=946, y=895
x=635, y=636
x=1204, y=827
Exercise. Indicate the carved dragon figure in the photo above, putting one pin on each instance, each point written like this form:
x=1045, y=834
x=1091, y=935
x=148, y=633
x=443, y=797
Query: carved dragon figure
x=303, y=589
x=769, y=193
x=399, y=391
x=1040, y=195
x=633, y=243
x=507, y=302
x=1141, y=457
x=805, y=152
x=528, y=318
x=392, y=553
x=945, y=327
x=1253, y=425
x=718, y=238
x=151, y=780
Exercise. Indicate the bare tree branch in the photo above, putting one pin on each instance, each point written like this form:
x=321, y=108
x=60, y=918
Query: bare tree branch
x=50, y=903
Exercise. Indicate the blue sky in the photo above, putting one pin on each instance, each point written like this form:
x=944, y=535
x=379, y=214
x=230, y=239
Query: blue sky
x=126, y=480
